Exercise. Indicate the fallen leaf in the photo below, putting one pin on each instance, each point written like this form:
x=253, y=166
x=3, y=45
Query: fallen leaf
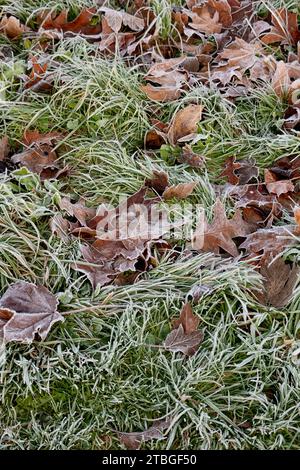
x=133, y=440
x=115, y=19
x=179, y=341
x=184, y=123
x=39, y=80
x=162, y=93
x=221, y=232
x=187, y=319
x=179, y=191
x=12, y=27
x=49, y=20
x=191, y=158
x=281, y=80
x=78, y=210
x=270, y=242
x=276, y=186
x=40, y=156
x=27, y=310
x=277, y=289
x=158, y=182
x=285, y=28
x=4, y=148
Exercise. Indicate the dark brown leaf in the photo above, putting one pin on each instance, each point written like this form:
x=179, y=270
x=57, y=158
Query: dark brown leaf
x=187, y=319
x=179, y=341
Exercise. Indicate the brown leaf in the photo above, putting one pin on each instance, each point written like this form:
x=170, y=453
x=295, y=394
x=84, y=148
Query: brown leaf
x=179, y=341
x=158, y=182
x=285, y=28
x=115, y=19
x=281, y=80
x=133, y=440
x=240, y=56
x=39, y=80
x=187, y=319
x=277, y=187
x=179, y=191
x=80, y=25
x=40, y=154
x=184, y=123
x=27, y=310
x=191, y=158
x=205, y=20
x=220, y=234
x=278, y=289
x=78, y=210
x=12, y=27
x=162, y=93
x=4, y=148
x=239, y=172
x=268, y=242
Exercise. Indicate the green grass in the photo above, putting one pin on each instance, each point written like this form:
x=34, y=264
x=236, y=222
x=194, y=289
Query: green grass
x=98, y=371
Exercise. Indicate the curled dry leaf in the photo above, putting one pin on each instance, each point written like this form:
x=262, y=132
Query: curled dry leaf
x=12, y=27
x=179, y=191
x=39, y=80
x=184, y=123
x=133, y=440
x=277, y=289
x=27, y=310
x=158, y=182
x=49, y=20
x=78, y=210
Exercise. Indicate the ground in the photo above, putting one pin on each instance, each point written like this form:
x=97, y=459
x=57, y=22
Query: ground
x=98, y=371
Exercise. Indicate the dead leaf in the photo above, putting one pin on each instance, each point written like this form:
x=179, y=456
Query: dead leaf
x=270, y=242
x=179, y=191
x=27, y=310
x=191, y=158
x=179, y=341
x=187, y=319
x=12, y=27
x=78, y=210
x=158, y=182
x=40, y=156
x=275, y=186
x=162, y=93
x=4, y=148
x=133, y=440
x=277, y=289
x=116, y=18
x=48, y=20
x=285, y=28
x=221, y=232
x=39, y=79
x=184, y=123
x=281, y=80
